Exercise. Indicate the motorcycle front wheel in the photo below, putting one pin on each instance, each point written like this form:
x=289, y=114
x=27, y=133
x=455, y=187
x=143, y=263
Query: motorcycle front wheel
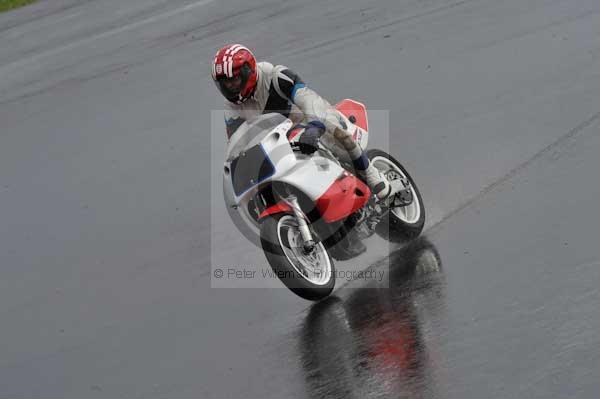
x=310, y=276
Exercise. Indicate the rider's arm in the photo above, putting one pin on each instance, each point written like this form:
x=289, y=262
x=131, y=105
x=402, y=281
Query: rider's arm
x=314, y=107
x=233, y=120
x=232, y=125
x=296, y=115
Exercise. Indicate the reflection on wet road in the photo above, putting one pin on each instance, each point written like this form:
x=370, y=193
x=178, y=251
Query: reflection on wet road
x=372, y=343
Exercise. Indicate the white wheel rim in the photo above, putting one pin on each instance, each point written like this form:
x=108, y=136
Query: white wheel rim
x=409, y=214
x=315, y=267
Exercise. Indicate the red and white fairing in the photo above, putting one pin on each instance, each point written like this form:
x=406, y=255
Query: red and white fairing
x=335, y=192
x=357, y=111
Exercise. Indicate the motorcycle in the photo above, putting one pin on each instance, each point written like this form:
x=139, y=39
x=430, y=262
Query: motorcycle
x=303, y=208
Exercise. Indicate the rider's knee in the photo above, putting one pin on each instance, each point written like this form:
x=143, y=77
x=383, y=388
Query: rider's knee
x=345, y=139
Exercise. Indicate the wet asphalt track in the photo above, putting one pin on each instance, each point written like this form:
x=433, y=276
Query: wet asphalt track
x=105, y=215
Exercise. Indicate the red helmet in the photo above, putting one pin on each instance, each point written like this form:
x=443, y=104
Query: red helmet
x=234, y=72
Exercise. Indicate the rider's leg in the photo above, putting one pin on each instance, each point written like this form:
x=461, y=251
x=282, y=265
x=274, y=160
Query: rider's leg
x=378, y=184
x=315, y=108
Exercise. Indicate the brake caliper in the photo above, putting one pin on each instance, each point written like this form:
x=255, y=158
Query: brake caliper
x=404, y=197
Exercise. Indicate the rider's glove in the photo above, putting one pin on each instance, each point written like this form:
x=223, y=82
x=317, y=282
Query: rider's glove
x=309, y=139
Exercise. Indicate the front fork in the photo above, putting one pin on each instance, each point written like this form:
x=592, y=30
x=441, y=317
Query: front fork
x=307, y=238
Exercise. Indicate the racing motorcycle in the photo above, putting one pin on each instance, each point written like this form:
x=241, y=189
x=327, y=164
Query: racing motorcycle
x=303, y=208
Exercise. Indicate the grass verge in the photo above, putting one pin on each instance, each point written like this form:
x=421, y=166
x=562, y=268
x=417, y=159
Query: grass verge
x=6, y=5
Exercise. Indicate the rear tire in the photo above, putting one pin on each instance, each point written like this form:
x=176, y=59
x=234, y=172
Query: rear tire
x=400, y=224
x=276, y=233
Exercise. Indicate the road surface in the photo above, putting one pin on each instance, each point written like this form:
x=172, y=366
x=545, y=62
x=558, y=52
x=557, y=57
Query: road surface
x=109, y=229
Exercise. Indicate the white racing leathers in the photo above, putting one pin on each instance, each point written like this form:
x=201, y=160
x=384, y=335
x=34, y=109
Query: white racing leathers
x=281, y=90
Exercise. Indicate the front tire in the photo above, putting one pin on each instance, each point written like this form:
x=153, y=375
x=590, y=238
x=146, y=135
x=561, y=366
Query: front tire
x=281, y=241
x=400, y=224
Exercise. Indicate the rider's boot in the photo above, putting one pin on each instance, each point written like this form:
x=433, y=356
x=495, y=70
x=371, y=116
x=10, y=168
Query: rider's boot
x=377, y=182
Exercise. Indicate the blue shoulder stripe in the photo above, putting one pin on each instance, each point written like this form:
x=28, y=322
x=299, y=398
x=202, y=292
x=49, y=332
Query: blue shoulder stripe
x=297, y=87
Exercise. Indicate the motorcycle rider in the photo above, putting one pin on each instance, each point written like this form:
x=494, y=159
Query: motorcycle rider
x=253, y=88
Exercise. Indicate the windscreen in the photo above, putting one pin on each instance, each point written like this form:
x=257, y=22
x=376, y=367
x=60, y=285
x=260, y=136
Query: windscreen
x=252, y=132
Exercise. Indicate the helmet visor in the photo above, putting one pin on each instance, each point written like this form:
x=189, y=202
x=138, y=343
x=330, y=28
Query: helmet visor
x=230, y=87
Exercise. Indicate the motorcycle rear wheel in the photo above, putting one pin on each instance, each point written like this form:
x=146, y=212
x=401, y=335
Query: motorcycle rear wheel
x=400, y=224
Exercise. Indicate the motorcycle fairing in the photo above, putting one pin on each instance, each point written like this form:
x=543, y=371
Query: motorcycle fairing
x=336, y=193
x=356, y=114
x=280, y=207
x=251, y=168
x=344, y=197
